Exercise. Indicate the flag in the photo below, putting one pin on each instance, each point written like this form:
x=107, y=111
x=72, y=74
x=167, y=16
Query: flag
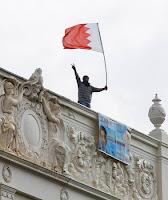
x=83, y=36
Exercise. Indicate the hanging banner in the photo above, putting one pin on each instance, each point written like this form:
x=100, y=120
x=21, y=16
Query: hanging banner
x=114, y=139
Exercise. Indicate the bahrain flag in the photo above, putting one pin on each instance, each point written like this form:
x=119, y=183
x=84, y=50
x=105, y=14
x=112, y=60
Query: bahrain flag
x=83, y=36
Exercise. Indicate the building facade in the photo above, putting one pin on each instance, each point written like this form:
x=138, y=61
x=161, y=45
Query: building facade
x=48, y=149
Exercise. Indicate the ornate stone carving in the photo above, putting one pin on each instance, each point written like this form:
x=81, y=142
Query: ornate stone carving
x=34, y=86
x=64, y=194
x=52, y=110
x=6, y=173
x=81, y=157
x=33, y=131
x=120, y=187
x=145, y=179
x=102, y=174
x=57, y=157
x=57, y=150
x=128, y=182
x=9, y=104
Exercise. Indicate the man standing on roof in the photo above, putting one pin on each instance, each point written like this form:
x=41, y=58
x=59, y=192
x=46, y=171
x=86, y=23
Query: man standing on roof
x=85, y=90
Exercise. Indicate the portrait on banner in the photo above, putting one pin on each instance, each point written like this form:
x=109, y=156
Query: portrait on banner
x=114, y=139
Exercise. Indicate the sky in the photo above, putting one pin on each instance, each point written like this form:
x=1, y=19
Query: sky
x=135, y=40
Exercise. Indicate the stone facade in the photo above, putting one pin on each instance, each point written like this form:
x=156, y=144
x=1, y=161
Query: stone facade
x=48, y=150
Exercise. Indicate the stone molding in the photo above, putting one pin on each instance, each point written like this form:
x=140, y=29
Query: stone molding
x=6, y=192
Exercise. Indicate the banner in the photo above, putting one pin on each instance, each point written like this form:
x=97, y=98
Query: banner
x=114, y=139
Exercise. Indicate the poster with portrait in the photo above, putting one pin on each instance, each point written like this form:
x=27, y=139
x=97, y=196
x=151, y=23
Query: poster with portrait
x=114, y=139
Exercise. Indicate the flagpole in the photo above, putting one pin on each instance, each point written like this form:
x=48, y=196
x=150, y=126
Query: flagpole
x=103, y=53
x=105, y=66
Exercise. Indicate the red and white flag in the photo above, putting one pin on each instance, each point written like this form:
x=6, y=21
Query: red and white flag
x=83, y=36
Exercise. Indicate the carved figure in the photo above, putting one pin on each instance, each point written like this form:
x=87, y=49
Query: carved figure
x=118, y=176
x=73, y=140
x=56, y=157
x=72, y=136
x=101, y=181
x=57, y=149
x=34, y=85
x=84, y=152
x=36, y=77
x=9, y=102
x=52, y=109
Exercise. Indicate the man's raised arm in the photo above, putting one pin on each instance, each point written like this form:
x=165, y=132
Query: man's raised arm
x=76, y=74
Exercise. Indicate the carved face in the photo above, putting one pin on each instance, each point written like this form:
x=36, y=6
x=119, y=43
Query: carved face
x=55, y=108
x=72, y=136
x=9, y=88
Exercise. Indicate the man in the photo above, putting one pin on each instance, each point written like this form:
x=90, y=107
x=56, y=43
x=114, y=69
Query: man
x=85, y=90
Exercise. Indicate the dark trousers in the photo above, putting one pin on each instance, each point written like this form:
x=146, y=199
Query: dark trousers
x=84, y=104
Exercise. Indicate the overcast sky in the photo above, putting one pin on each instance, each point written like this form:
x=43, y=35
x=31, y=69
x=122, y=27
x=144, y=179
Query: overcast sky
x=135, y=40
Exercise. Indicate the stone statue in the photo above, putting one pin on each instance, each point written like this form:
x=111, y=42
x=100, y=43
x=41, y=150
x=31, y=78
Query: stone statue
x=57, y=149
x=51, y=108
x=34, y=85
x=36, y=77
x=9, y=102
